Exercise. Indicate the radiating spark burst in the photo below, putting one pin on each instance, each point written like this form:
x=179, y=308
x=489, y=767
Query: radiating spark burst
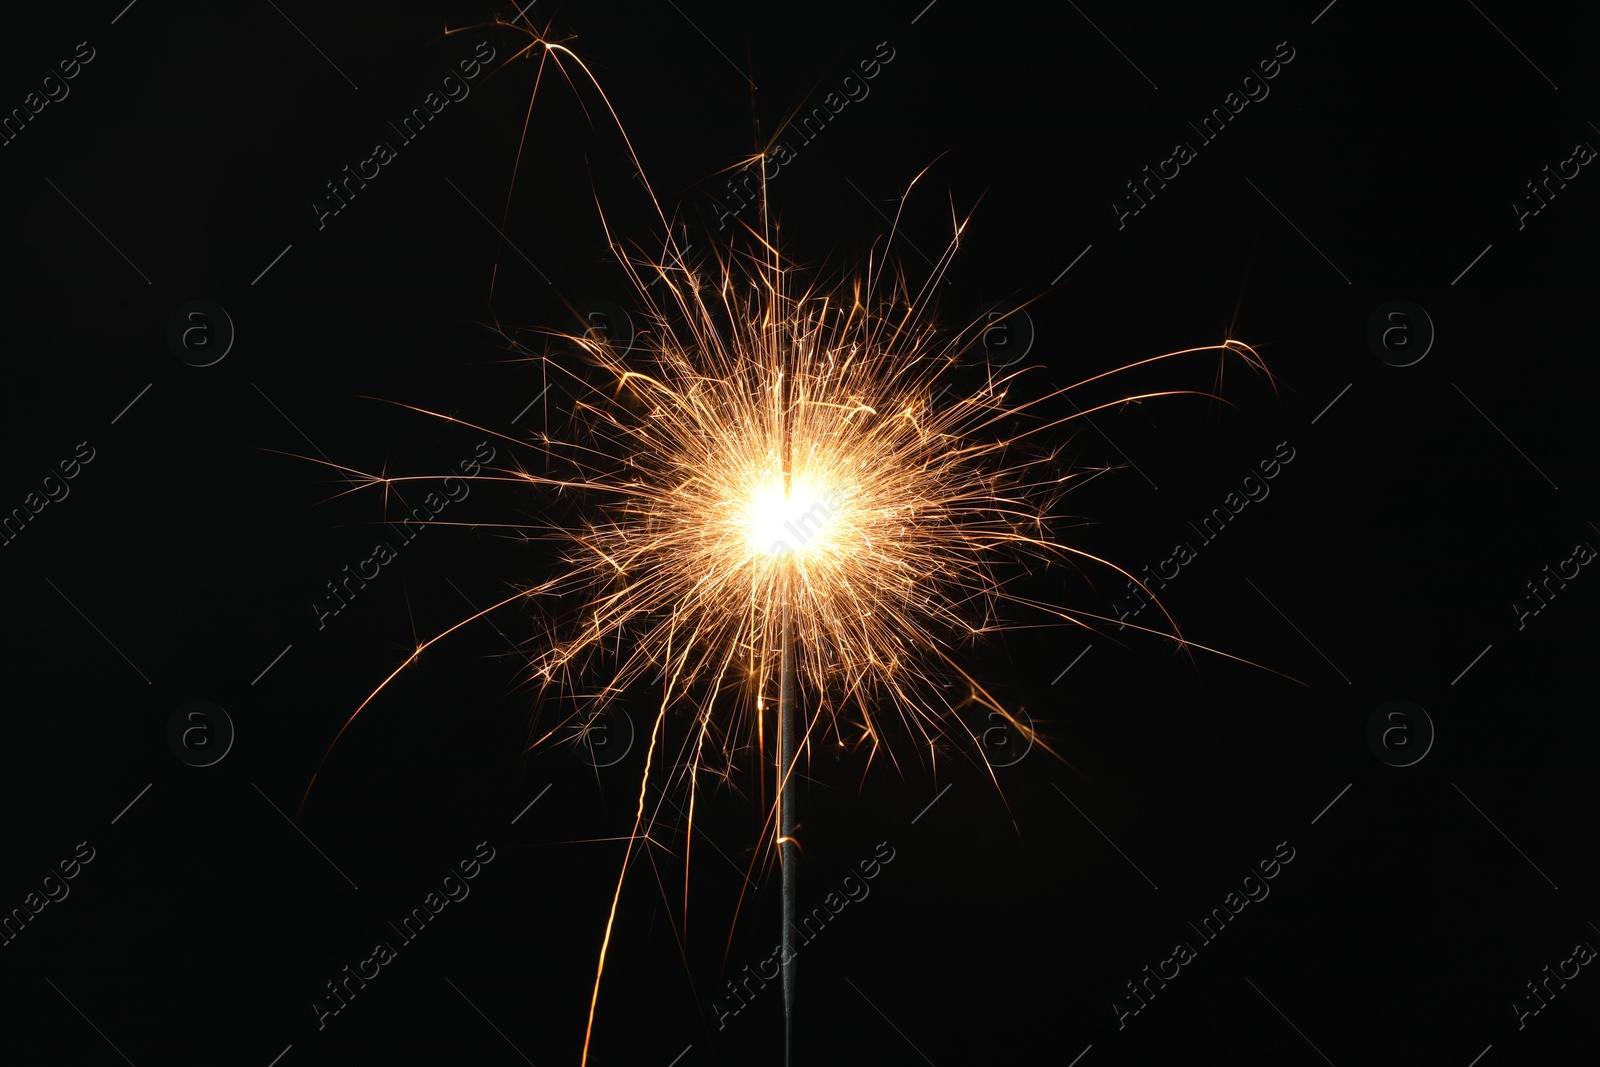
x=769, y=447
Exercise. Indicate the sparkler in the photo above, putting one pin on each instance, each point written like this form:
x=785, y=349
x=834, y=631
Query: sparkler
x=773, y=497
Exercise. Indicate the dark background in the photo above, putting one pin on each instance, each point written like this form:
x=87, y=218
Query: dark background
x=1382, y=566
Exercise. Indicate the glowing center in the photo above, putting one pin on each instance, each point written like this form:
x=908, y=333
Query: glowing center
x=780, y=524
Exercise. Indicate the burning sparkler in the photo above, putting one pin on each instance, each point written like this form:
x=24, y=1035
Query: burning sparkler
x=774, y=499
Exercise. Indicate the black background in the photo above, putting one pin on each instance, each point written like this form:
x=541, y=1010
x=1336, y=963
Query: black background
x=1382, y=566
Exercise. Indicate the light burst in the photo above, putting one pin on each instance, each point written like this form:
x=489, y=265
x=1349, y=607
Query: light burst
x=779, y=473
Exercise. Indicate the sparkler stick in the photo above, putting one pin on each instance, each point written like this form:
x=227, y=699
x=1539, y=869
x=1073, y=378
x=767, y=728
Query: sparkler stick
x=788, y=739
x=788, y=825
